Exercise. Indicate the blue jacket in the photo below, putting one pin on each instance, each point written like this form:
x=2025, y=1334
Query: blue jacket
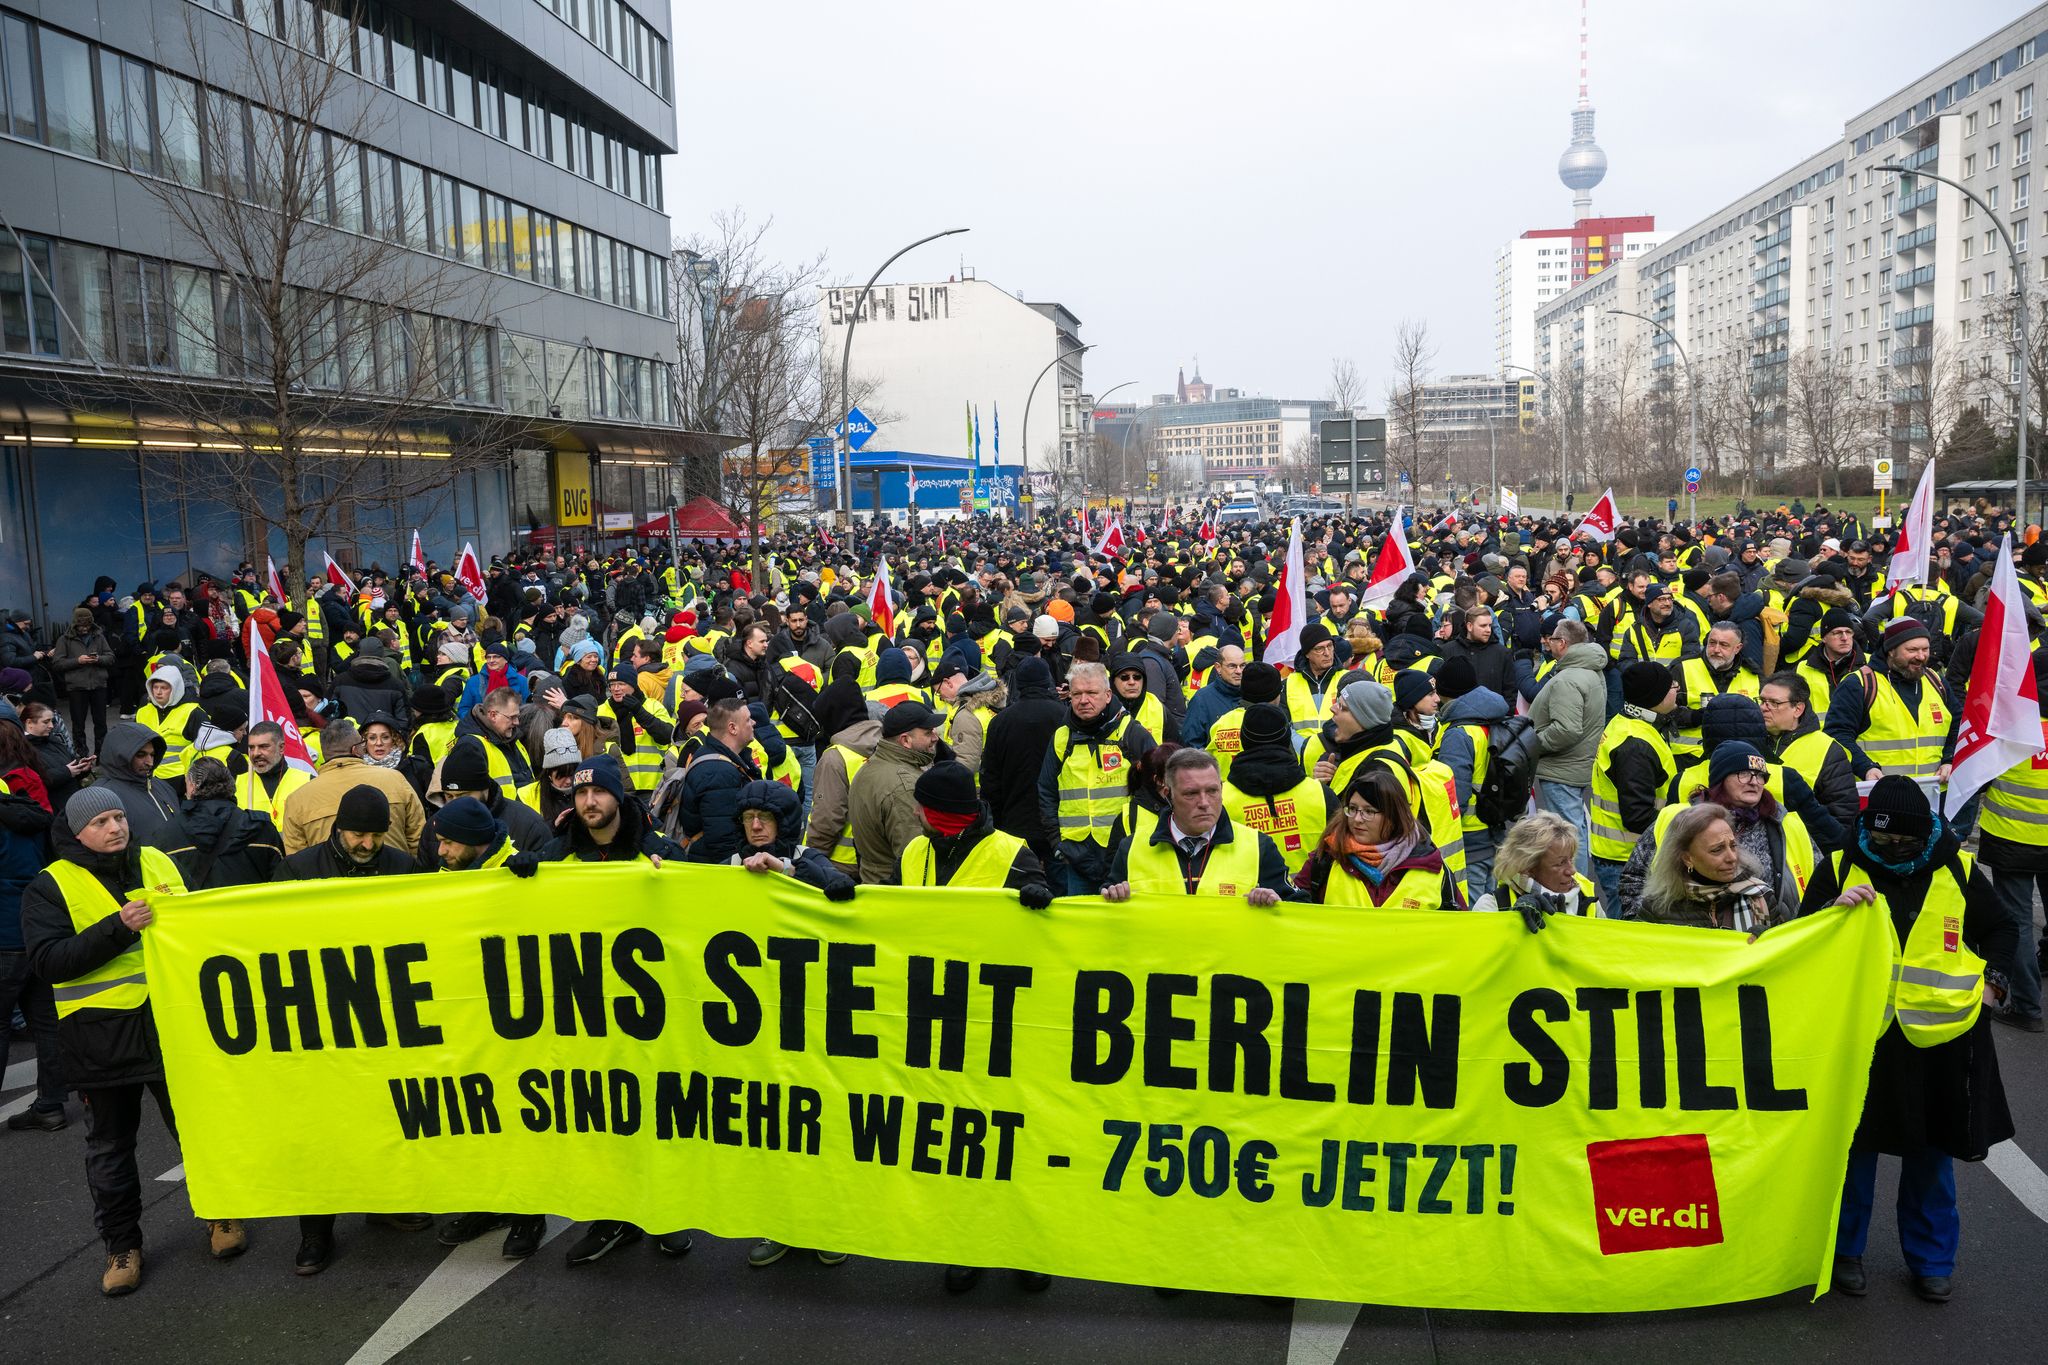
x=24, y=849
x=1212, y=703
x=473, y=690
x=709, y=802
x=1481, y=706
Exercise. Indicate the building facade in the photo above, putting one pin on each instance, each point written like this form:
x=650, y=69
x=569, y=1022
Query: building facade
x=510, y=150
x=1544, y=263
x=1205, y=435
x=1902, y=288
x=933, y=358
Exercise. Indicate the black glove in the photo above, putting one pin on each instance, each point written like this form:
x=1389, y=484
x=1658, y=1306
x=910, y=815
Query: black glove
x=840, y=891
x=1532, y=913
x=524, y=864
x=1035, y=895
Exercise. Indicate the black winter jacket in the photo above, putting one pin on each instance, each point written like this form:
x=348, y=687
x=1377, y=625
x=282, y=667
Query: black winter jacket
x=326, y=859
x=1011, y=753
x=367, y=686
x=232, y=846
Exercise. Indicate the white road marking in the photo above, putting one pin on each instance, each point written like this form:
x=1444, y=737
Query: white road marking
x=175, y=1174
x=18, y=1075
x=467, y=1271
x=2017, y=1171
x=1319, y=1331
x=13, y=1107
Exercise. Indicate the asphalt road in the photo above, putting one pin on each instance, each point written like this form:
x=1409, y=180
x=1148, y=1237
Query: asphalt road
x=400, y=1296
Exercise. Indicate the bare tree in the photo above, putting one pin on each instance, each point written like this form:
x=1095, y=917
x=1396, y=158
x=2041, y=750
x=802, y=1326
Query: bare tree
x=335, y=365
x=753, y=364
x=1755, y=423
x=1347, y=388
x=1929, y=388
x=2002, y=339
x=1301, y=464
x=1718, y=379
x=1408, y=438
x=1821, y=407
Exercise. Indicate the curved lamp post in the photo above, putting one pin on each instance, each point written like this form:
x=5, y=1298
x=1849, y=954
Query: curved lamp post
x=1025, y=490
x=844, y=443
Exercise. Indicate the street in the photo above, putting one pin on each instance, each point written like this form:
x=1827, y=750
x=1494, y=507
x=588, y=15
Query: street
x=394, y=1295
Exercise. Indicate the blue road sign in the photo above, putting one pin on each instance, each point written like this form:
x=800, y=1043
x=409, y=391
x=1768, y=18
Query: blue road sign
x=859, y=430
x=824, y=469
x=1692, y=475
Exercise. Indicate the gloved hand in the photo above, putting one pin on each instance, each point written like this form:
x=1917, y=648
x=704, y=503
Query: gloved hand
x=1035, y=895
x=1532, y=913
x=840, y=892
x=524, y=864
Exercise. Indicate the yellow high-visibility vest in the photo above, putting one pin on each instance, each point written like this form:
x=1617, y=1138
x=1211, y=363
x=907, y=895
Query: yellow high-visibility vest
x=119, y=983
x=986, y=864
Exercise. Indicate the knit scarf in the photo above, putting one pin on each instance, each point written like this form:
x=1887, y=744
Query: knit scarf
x=947, y=824
x=1369, y=862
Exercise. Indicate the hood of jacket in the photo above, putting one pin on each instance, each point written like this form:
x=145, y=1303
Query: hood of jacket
x=892, y=667
x=1266, y=770
x=845, y=631
x=862, y=736
x=369, y=670
x=1587, y=655
x=896, y=754
x=1831, y=597
x=780, y=802
x=123, y=742
x=1482, y=705
x=1083, y=731
x=168, y=673
x=204, y=820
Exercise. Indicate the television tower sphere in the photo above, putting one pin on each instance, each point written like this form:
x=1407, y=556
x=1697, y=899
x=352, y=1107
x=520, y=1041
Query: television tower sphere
x=1583, y=164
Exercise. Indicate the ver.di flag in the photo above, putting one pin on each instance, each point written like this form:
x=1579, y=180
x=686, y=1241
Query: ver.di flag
x=1290, y=605
x=275, y=583
x=1391, y=567
x=2001, y=721
x=337, y=576
x=1912, y=558
x=419, y=557
x=1602, y=521
x=469, y=572
x=879, y=605
x=267, y=701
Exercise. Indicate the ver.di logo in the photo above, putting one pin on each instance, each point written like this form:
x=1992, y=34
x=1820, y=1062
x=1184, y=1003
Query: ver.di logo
x=1653, y=1193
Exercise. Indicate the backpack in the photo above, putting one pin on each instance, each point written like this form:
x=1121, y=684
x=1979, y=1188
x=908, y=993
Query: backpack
x=794, y=703
x=1511, y=753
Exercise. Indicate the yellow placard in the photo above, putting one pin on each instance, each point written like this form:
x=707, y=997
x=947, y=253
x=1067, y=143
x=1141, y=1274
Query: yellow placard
x=572, y=488
x=1432, y=1109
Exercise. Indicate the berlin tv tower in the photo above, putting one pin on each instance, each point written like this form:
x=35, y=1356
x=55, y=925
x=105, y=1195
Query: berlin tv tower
x=1583, y=164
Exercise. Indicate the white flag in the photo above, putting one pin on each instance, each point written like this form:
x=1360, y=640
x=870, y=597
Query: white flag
x=2001, y=723
x=1912, y=559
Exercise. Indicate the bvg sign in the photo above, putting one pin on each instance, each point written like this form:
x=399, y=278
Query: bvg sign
x=572, y=489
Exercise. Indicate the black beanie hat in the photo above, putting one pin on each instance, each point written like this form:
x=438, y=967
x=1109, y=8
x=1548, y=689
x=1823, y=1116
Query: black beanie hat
x=1734, y=757
x=1411, y=685
x=1645, y=684
x=1261, y=682
x=466, y=768
x=1455, y=677
x=947, y=788
x=466, y=820
x=1834, y=618
x=1898, y=806
x=431, y=703
x=363, y=810
x=1732, y=716
x=1313, y=634
x=1265, y=724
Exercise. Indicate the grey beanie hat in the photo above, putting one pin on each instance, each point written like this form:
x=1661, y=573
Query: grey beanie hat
x=88, y=804
x=1370, y=703
x=558, y=749
x=1163, y=626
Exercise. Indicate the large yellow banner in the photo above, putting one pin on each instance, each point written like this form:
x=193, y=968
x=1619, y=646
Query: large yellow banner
x=1427, y=1109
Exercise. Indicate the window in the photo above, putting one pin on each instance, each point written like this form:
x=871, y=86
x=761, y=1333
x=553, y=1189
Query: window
x=545, y=270
x=1996, y=107
x=228, y=145
x=1963, y=290
x=67, y=93
x=1969, y=165
x=1992, y=155
x=1970, y=125
x=1969, y=247
x=2023, y=147
x=447, y=229
x=1991, y=198
x=1990, y=283
x=1965, y=328
x=124, y=113
x=177, y=113
x=1887, y=242
x=192, y=336
x=2025, y=103
x=412, y=193
x=2019, y=194
x=348, y=184
x=472, y=241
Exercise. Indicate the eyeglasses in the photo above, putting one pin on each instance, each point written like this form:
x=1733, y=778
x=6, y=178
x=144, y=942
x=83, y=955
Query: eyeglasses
x=1359, y=813
x=1772, y=703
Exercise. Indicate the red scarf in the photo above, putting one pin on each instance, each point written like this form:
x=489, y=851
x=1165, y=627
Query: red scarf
x=950, y=826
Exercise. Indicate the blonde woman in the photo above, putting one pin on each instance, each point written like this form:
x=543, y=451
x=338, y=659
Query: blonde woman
x=1534, y=871
x=1701, y=876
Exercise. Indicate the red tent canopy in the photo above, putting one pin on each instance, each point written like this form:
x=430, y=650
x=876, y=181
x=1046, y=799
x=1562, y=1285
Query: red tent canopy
x=697, y=517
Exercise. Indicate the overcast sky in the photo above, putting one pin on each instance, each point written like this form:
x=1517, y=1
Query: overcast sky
x=1265, y=187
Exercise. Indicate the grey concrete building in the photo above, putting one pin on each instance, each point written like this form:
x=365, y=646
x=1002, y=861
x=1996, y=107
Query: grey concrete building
x=506, y=153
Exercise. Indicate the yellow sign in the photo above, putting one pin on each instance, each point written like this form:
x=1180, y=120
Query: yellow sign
x=1405, y=1108
x=572, y=488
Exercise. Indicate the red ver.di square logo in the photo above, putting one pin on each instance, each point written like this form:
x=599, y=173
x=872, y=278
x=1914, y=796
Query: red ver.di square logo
x=1652, y=1193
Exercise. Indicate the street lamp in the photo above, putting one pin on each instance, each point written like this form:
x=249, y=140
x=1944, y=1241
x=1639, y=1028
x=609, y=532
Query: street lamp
x=845, y=441
x=1123, y=446
x=2019, y=279
x=1691, y=385
x=1549, y=393
x=1024, y=492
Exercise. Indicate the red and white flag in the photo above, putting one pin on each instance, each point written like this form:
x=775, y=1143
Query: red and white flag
x=942, y=540
x=273, y=582
x=1290, y=606
x=419, y=557
x=1602, y=522
x=469, y=571
x=825, y=535
x=2001, y=723
x=1391, y=567
x=1208, y=527
x=336, y=576
x=1912, y=557
x=879, y=606
x=267, y=702
x=1112, y=537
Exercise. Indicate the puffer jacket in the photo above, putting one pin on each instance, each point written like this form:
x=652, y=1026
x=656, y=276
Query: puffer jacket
x=368, y=685
x=232, y=846
x=1458, y=749
x=1570, y=715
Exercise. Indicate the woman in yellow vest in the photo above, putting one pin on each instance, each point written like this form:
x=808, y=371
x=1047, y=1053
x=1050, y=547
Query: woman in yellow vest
x=1535, y=872
x=81, y=920
x=175, y=720
x=1772, y=839
x=1268, y=790
x=961, y=845
x=1375, y=855
x=1934, y=1096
